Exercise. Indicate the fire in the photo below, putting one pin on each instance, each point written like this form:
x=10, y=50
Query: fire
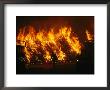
x=46, y=43
x=72, y=40
x=47, y=56
x=89, y=36
x=27, y=54
x=61, y=55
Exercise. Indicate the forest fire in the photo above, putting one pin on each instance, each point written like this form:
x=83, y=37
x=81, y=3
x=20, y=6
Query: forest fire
x=46, y=43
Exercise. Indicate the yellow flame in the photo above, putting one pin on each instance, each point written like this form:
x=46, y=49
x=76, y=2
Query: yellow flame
x=33, y=41
x=61, y=55
x=27, y=54
x=72, y=41
x=47, y=56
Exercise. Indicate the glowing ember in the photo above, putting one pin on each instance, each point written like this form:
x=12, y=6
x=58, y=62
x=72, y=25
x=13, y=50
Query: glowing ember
x=46, y=43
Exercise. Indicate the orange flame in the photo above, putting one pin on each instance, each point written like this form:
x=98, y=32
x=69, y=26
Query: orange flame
x=47, y=42
x=89, y=36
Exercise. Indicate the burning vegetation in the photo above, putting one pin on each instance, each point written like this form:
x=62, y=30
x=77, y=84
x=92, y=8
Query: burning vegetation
x=45, y=43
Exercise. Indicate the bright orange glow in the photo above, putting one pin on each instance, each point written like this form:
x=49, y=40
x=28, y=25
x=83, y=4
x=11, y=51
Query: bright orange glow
x=46, y=43
x=47, y=56
x=61, y=55
x=89, y=36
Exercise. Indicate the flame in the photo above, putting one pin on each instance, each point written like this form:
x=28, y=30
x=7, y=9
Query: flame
x=47, y=56
x=27, y=54
x=61, y=55
x=46, y=43
x=72, y=41
x=89, y=36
